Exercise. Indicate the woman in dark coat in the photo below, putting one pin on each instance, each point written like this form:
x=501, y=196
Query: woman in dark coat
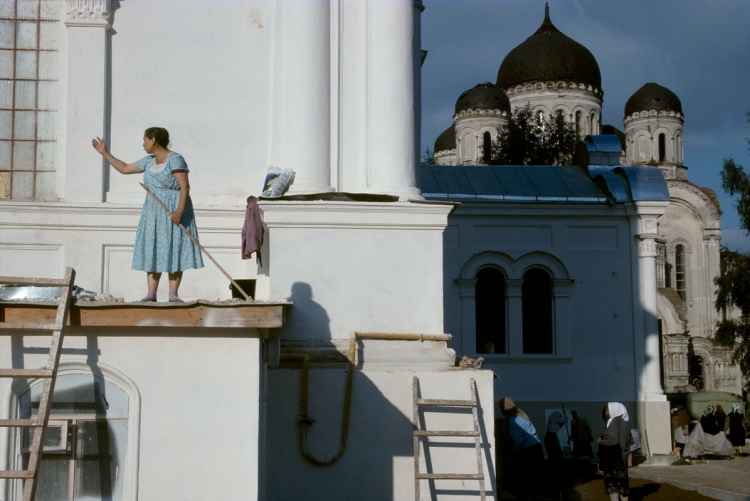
x=734, y=428
x=616, y=482
x=708, y=421
x=721, y=417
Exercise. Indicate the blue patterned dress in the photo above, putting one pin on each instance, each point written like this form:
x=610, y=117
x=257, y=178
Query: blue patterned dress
x=160, y=245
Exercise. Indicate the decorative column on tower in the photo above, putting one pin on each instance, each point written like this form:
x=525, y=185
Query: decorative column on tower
x=391, y=167
x=87, y=24
x=302, y=94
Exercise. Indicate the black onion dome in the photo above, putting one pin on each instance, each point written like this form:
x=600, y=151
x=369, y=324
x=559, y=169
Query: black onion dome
x=446, y=140
x=653, y=97
x=485, y=96
x=548, y=55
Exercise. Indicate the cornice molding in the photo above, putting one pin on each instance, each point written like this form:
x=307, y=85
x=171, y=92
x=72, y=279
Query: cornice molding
x=559, y=85
x=654, y=113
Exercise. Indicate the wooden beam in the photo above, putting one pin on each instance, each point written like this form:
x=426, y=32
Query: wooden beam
x=200, y=313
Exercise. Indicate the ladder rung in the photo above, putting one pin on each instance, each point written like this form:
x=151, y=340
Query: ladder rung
x=425, y=433
x=29, y=326
x=16, y=474
x=25, y=373
x=38, y=282
x=25, y=423
x=453, y=476
x=445, y=403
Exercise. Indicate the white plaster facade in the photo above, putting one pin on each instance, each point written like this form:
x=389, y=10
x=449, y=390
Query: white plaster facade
x=242, y=86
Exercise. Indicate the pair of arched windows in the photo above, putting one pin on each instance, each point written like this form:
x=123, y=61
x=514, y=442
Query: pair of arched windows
x=492, y=312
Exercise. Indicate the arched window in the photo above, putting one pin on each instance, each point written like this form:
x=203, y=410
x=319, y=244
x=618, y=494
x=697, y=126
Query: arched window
x=540, y=118
x=537, y=312
x=680, y=270
x=490, y=311
x=86, y=442
x=578, y=123
x=487, y=147
x=469, y=147
x=662, y=147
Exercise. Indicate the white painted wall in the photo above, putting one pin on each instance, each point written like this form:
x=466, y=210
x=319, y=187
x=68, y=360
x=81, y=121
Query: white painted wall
x=194, y=405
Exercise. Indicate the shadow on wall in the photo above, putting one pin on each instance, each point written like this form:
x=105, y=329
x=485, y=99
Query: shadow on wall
x=307, y=319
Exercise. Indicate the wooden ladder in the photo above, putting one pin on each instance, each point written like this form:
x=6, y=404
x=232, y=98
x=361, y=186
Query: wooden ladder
x=49, y=374
x=421, y=402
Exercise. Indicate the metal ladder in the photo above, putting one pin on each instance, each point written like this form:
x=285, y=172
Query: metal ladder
x=49, y=374
x=421, y=402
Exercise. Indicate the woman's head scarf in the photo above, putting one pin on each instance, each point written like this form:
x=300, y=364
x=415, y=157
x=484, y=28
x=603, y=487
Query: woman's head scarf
x=508, y=408
x=736, y=407
x=616, y=409
x=709, y=410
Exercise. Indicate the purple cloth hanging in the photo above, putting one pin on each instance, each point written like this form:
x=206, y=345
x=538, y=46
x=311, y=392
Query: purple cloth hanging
x=252, y=231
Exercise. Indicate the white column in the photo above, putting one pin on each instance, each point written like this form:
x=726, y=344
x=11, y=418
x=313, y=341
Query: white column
x=302, y=94
x=390, y=97
x=515, y=316
x=561, y=292
x=87, y=24
x=650, y=388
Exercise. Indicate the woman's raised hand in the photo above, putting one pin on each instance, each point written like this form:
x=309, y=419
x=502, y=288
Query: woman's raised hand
x=99, y=145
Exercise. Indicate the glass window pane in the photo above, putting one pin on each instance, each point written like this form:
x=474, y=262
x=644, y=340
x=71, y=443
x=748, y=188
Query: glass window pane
x=536, y=305
x=78, y=394
x=101, y=458
x=26, y=35
x=5, y=155
x=27, y=9
x=45, y=185
x=24, y=125
x=45, y=128
x=23, y=155
x=48, y=65
x=50, y=9
x=6, y=64
x=4, y=185
x=6, y=34
x=47, y=96
x=6, y=94
x=25, y=64
x=23, y=186
x=54, y=477
x=25, y=95
x=7, y=8
x=6, y=124
x=45, y=155
x=49, y=35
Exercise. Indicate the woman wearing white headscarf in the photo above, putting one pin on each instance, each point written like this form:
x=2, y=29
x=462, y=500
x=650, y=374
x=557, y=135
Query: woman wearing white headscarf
x=616, y=441
x=735, y=428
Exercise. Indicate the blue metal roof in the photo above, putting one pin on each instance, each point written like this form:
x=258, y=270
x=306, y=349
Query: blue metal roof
x=646, y=183
x=509, y=183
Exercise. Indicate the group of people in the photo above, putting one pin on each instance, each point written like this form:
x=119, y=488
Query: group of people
x=527, y=456
x=715, y=433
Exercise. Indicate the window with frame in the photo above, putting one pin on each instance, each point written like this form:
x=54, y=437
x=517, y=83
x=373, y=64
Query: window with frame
x=86, y=443
x=680, y=273
x=537, y=312
x=491, y=316
x=29, y=40
x=487, y=147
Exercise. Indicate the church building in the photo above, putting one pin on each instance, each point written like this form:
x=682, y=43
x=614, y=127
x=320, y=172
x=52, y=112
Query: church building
x=585, y=283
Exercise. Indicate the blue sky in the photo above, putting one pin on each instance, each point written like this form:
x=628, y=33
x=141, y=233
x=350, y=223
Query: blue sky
x=698, y=49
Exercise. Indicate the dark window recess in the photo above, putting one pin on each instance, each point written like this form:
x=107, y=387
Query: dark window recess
x=679, y=270
x=487, y=147
x=537, y=312
x=662, y=147
x=490, y=311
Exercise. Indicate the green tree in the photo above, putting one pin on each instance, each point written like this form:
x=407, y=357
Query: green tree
x=734, y=283
x=429, y=157
x=535, y=140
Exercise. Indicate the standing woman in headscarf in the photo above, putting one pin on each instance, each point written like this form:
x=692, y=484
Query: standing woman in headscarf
x=708, y=421
x=721, y=417
x=734, y=428
x=616, y=482
x=527, y=455
x=555, y=421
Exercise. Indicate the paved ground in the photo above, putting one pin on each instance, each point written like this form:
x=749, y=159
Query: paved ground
x=726, y=479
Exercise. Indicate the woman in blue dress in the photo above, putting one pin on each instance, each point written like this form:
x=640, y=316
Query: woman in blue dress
x=160, y=244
